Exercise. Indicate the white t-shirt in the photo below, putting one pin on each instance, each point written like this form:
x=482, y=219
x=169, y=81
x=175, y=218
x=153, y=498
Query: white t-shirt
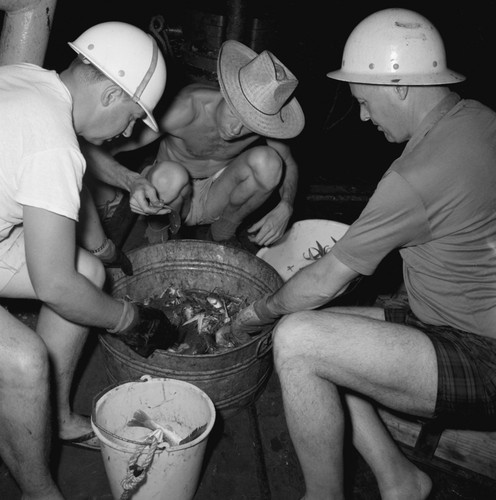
x=41, y=164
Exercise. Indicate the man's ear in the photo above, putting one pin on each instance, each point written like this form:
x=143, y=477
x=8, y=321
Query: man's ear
x=402, y=91
x=111, y=94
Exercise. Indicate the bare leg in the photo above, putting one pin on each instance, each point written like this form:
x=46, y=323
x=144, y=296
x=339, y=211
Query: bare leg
x=244, y=186
x=318, y=352
x=316, y=424
x=65, y=341
x=25, y=430
x=172, y=183
x=65, y=351
x=89, y=229
x=397, y=477
x=372, y=439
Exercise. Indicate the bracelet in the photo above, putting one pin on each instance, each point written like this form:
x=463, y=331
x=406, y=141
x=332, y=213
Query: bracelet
x=100, y=248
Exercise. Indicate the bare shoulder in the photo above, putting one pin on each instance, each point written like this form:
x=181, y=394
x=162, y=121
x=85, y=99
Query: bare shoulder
x=278, y=144
x=200, y=90
x=186, y=106
x=198, y=95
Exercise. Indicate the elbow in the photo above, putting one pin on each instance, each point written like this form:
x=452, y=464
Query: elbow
x=53, y=292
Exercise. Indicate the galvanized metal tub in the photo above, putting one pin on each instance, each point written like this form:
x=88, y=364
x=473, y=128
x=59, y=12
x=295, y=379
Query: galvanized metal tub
x=233, y=379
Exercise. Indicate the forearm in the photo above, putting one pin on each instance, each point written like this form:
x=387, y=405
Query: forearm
x=63, y=276
x=104, y=167
x=76, y=299
x=289, y=184
x=311, y=287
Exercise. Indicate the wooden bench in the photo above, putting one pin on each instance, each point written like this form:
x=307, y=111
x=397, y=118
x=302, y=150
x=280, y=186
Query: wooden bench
x=463, y=452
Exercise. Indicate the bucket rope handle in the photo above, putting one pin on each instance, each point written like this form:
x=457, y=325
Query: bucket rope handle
x=131, y=481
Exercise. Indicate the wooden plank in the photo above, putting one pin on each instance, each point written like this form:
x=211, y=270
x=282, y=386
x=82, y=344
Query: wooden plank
x=472, y=450
x=403, y=431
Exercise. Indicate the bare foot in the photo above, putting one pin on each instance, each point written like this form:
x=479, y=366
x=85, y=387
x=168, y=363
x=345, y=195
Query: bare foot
x=52, y=493
x=416, y=486
x=75, y=426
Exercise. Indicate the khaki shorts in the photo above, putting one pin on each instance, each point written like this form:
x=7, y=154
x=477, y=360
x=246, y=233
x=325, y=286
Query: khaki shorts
x=12, y=256
x=199, y=196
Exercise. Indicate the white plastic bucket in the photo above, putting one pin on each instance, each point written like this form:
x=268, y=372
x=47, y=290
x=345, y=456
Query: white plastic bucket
x=166, y=472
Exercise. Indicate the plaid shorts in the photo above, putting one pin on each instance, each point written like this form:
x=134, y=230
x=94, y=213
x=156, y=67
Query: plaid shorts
x=466, y=394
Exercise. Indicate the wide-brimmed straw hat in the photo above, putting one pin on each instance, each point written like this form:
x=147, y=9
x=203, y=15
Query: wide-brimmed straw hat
x=258, y=88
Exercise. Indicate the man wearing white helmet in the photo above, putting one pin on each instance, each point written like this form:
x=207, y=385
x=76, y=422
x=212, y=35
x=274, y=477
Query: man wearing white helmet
x=434, y=357
x=222, y=152
x=98, y=97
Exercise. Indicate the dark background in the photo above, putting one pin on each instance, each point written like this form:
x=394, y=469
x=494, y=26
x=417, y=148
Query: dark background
x=308, y=36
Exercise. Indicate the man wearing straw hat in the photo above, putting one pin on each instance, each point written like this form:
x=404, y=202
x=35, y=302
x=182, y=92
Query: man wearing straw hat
x=212, y=164
x=435, y=356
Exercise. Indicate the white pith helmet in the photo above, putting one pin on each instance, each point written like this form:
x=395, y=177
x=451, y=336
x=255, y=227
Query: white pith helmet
x=130, y=58
x=395, y=47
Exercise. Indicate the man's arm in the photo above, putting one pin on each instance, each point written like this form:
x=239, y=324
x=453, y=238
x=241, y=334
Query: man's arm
x=102, y=164
x=273, y=225
x=310, y=288
x=290, y=182
x=51, y=256
x=104, y=167
x=100, y=159
x=313, y=286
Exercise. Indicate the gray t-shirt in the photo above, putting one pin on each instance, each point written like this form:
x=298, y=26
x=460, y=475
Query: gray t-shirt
x=437, y=204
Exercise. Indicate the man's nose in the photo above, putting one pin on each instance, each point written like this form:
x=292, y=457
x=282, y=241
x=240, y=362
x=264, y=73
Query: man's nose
x=236, y=128
x=364, y=115
x=129, y=130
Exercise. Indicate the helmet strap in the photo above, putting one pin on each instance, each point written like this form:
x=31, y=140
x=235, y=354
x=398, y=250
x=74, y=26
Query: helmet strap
x=148, y=75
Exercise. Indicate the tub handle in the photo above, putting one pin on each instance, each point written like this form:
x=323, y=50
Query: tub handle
x=264, y=345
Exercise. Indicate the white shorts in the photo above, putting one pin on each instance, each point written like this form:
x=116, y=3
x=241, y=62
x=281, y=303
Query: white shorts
x=12, y=256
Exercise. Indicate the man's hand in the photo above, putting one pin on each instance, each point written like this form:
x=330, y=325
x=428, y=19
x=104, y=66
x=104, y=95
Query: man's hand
x=272, y=226
x=248, y=322
x=149, y=330
x=144, y=198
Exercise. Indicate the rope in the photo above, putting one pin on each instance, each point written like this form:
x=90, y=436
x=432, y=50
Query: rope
x=137, y=473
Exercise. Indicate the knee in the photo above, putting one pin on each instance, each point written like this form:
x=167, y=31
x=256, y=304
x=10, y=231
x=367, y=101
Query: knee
x=28, y=366
x=266, y=165
x=169, y=179
x=289, y=337
x=91, y=268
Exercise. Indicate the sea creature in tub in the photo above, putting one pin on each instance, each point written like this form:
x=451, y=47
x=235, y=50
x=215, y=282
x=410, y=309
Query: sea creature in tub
x=198, y=314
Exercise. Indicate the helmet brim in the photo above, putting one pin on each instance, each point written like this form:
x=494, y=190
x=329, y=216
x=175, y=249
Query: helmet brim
x=442, y=78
